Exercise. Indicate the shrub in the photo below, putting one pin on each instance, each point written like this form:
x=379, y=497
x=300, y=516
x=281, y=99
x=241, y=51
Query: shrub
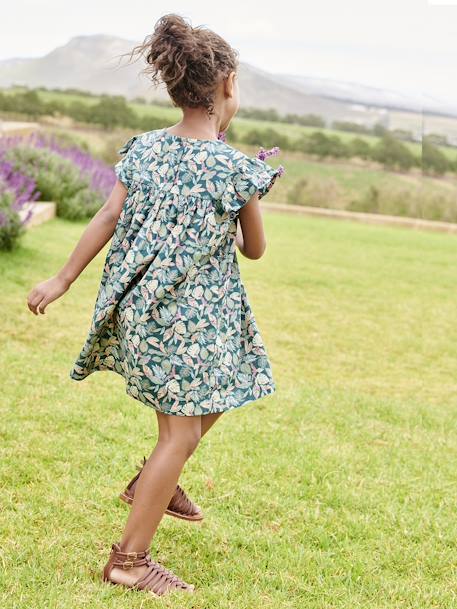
x=253, y=137
x=267, y=138
x=78, y=183
x=393, y=154
x=433, y=160
x=323, y=145
x=412, y=200
x=415, y=202
x=56, y=178
x=301, y=143
x=360, y=148
x=83, y=204
x=316, y=191
x=112, y=111
x=15, y=190
x=105, y=110
x=350, y=126
x=11, y=227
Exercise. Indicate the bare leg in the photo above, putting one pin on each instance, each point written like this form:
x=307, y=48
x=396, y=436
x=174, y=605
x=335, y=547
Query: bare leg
x=208, y=421
x=178, y=438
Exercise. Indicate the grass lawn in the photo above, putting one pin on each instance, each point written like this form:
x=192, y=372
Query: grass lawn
x=339, y=491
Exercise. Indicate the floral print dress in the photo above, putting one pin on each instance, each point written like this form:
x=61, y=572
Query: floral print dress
x=172, y=316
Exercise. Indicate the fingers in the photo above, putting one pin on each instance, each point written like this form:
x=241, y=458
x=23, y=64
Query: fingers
x=32, y=301
x=36, y=302
x=42, y=306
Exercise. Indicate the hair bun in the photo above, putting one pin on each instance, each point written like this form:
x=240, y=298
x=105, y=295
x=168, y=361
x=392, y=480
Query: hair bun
x=175, y=29
x=189, y=61
x=171, y=44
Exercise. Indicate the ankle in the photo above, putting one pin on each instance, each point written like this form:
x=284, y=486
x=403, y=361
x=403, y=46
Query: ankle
x=131, y=545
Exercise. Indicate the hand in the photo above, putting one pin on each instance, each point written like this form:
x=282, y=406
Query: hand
x=45, y=292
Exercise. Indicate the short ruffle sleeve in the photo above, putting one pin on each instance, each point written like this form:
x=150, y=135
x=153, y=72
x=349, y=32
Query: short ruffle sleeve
x=125, y=167
x=251, y=175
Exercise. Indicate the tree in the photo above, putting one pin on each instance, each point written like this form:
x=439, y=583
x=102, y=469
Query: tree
x=433, y=160
x=360, y=148
x=112, y=111
x=393, y=154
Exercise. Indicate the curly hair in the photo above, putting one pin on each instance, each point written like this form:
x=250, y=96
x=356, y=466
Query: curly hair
x=190, y=61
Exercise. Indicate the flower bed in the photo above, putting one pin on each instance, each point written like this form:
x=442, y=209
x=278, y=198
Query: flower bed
x=42, y=167
x=16, y=189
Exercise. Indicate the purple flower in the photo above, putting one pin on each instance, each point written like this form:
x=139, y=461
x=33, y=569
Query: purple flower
x=221, y=136
x=100, y=175
x=17, y=188
x=264, y=154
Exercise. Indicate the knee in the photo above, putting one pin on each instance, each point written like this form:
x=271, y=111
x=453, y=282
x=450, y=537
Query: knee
x=191, y=443
x=183, y=443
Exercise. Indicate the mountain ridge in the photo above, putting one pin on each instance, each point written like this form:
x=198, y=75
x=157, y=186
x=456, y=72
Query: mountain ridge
x=96, y=63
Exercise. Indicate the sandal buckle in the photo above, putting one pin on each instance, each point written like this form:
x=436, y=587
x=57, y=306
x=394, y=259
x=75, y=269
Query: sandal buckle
x=127, y=564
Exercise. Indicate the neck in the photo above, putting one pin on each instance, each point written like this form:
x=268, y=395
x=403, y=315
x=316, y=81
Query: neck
x=196, y=123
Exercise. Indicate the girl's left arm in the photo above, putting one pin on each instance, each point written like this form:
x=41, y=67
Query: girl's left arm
x=97, y=233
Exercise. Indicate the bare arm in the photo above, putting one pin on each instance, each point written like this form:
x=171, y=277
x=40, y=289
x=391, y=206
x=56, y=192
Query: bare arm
x=250, y=237
x=97, y=233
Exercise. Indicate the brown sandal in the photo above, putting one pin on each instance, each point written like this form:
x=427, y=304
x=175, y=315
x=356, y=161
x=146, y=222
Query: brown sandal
x=180, y=505
x=158, y=580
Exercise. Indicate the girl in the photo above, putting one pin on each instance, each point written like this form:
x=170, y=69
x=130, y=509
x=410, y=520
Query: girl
x=172, y=315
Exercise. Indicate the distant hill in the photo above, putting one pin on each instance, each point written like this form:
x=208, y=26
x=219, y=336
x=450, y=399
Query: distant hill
x=352, y=92
x=92, y=63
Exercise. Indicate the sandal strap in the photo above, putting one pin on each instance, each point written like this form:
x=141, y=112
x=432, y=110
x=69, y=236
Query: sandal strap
x=128, y=560
x=136, y=476
x=156, y=578
x=181, y=503
x=140, y=467
x=159, y=579
x=129, y=564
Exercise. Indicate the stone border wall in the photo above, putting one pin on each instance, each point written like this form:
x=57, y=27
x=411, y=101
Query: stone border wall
x=41, y=212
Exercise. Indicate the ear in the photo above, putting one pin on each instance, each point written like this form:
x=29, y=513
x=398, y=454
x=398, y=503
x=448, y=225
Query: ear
x=229, y=84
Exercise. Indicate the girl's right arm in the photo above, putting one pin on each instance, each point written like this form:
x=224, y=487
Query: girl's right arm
x=250, y=237
x=99, y=230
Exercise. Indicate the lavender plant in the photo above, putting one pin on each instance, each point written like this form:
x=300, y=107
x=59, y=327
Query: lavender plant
x=78, y=183
x=99, y=176
x=16, y=189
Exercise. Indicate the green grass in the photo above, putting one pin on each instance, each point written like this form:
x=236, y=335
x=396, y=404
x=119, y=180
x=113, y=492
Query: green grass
x=338, y=491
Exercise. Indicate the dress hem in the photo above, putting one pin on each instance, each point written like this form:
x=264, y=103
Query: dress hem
x=268, y=390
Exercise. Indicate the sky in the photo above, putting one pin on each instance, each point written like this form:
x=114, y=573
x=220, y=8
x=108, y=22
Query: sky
x=409, y=46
